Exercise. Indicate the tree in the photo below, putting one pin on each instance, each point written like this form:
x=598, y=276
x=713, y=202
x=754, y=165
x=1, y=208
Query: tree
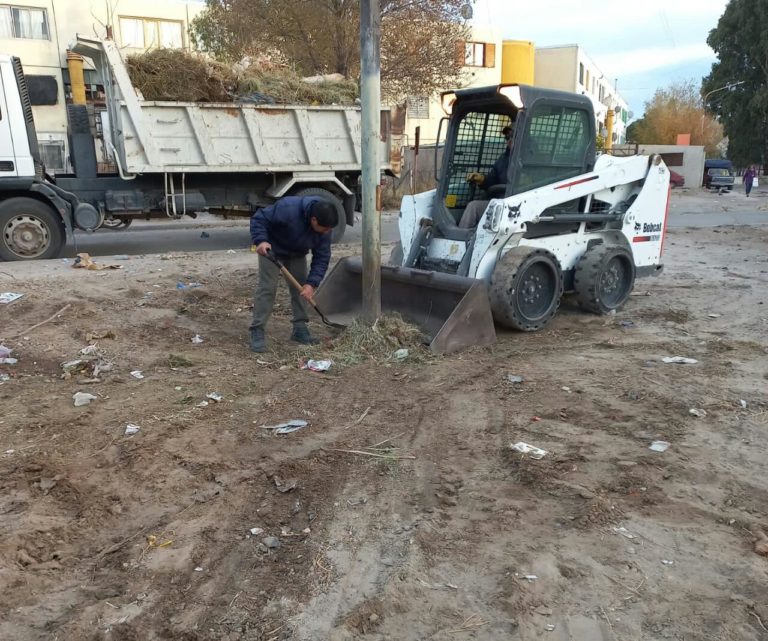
x=740, y=41
x=419, y=44
x=677, y=110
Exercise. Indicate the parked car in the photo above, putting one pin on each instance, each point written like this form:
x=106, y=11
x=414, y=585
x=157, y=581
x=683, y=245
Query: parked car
x=718, y=179
x=675, y=179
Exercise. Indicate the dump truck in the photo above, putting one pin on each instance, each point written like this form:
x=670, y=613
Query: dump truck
x=172, y=159
x=557, y=219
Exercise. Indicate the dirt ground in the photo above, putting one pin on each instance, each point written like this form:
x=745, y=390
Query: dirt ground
x=447, y=534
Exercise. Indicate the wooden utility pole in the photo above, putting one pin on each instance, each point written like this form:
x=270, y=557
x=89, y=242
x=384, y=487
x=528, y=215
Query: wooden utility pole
x=370, y=95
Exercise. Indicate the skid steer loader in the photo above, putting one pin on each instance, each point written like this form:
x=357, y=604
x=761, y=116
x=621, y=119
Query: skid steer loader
x=561, y=219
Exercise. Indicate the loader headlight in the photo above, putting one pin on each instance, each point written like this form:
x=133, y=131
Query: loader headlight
x=447, y=98
x=493, y=216
x=512, y=93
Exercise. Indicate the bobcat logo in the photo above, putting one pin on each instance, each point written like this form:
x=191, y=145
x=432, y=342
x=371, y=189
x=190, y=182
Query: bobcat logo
x=637, y=227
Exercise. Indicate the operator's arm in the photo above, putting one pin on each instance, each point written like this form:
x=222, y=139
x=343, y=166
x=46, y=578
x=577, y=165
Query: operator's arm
x=321, y=256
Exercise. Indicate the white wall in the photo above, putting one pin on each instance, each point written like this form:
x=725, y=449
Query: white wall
x=692, y=168
x=472, y=76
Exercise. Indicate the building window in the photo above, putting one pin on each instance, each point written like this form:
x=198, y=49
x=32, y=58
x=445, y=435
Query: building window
x=586, y=84
x=581, y=73
x=148, y=33
x=476, y=54
x=23, y=22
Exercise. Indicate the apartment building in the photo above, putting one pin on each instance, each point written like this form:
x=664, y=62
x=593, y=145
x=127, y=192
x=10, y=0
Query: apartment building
x=39, y=32
x=569, y=68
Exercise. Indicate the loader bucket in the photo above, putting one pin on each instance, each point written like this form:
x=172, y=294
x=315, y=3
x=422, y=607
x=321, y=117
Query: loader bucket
x=453, y=311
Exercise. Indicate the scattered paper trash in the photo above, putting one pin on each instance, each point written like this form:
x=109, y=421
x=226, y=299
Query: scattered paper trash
x=9, y=452
x=698, y=413
x=131, y=429
x=714, y=315
x=181, y=285
x=659, y=446
x=287, y=427
x=89, y=350
x=401, y=354
x=203, y=404
x=215, y=396
x=4, y=378
x=317, y=366
x=679, y=360
x=532, y=451
x=137, y=374
x=549, y=627
x=197, y=339
x=8, y=361
x=566, y=389
x=231, y=251
x=83, y=398
x=5, y=352
x=743, y=404
x=198, y=569
x=256, y=531
x=667, y=562
x=624, y=532
x=530, y=577
x=514, y=379
x=6, y=298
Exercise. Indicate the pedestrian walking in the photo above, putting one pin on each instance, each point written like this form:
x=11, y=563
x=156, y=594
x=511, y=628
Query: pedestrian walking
x=749, y=179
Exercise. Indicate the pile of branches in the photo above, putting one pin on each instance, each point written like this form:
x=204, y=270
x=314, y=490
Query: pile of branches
x=179, y=76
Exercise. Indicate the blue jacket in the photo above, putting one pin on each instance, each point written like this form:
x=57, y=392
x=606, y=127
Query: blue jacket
x=285, y=226
x=498, y=174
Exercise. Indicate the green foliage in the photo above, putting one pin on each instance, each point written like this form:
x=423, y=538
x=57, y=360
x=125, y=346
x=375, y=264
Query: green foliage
x=740, y=41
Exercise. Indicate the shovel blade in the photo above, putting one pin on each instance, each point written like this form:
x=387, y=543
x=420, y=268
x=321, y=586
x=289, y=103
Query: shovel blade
x=453, y=311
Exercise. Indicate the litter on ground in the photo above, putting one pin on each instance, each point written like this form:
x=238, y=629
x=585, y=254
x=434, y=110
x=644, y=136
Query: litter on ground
x=531, y=450
x=659, y=446
x=679, y=360
x=8, y=297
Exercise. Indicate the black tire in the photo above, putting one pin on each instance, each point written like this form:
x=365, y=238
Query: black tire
x=604, y=278
x=30, y=230
x=338, y=232
x=117, y=223
x=526, y=288
x=396, y=255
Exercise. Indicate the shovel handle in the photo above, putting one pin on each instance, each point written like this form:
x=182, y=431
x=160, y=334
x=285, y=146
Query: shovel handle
x=288, y=276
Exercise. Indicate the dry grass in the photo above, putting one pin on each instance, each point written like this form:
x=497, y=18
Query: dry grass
x=175, y=75
x=359, y=343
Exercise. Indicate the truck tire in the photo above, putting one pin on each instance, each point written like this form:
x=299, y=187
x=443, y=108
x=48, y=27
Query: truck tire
x=117, y=223
x=604, y=278
x=338, y=232
x=526, y=288
x=396, y=255
x=30, y=230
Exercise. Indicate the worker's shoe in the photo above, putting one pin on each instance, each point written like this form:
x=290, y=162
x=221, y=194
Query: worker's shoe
x=301, y=335
x=258, y=341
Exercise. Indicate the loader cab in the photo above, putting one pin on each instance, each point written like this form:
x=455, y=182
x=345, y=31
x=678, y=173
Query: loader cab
x=552, y=139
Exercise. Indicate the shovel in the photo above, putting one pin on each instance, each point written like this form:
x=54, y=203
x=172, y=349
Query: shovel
x=289, y=277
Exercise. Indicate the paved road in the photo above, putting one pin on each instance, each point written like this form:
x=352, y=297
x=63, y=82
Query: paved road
x=163, y=236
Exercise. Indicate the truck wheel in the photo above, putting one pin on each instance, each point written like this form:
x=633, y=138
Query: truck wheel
x=526, y=288
x=117, y=223
x=396, y=255
x=604, y=278
x=29, y=230
x=338, y=232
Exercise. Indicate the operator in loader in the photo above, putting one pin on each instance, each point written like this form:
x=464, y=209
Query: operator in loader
x=290, y=228
x=475, y=209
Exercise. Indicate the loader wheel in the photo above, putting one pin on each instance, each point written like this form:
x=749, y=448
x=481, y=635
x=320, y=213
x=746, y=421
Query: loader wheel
x=526, y=288
x=338, y=232
x=604, y=278
x=29, y=230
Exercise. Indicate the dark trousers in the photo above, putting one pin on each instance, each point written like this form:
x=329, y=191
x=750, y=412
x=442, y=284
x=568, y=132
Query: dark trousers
x=266, y=290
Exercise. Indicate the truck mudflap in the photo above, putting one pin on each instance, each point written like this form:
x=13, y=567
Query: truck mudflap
x=454, y=312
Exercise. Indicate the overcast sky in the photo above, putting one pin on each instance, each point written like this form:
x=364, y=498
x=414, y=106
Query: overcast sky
x=646, y=45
